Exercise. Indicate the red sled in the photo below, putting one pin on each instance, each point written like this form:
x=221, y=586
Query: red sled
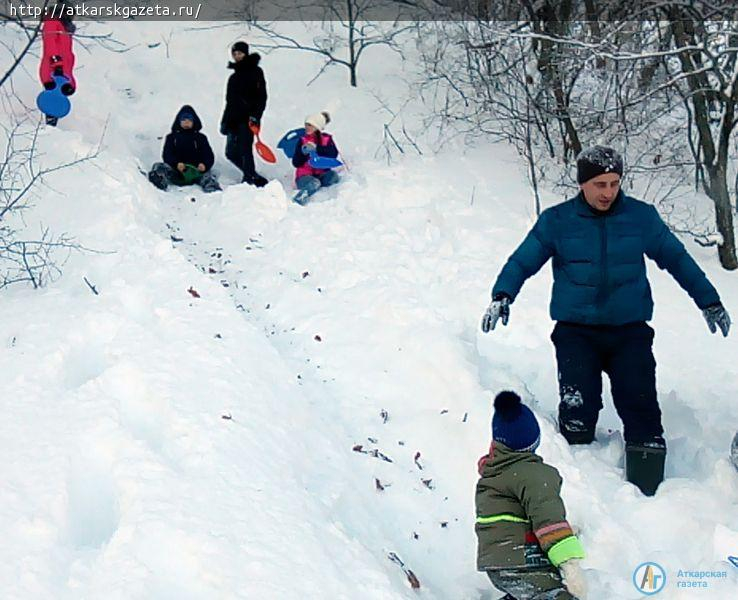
x=57, y=58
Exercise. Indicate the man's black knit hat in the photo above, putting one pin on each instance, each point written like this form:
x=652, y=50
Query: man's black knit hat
x=598, y=160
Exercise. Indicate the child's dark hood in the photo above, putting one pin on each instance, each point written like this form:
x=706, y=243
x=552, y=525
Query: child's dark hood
x=197, y=124
x=249, y=62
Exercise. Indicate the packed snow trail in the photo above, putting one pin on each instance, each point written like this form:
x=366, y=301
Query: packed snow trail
x=161, y=447
x=159, y=444
x=295, y=294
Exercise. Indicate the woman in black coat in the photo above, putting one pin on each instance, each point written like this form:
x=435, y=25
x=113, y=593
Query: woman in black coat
x=246, y=98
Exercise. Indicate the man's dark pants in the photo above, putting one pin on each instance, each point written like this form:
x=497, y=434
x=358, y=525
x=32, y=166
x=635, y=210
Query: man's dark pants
x=239, y=150
x=625, y=353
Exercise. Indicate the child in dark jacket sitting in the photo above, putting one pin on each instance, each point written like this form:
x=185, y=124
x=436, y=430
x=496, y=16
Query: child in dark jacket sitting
x=187, y=155
x=525, y=543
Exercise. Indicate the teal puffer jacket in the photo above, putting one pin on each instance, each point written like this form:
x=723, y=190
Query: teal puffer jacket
x=598, y=267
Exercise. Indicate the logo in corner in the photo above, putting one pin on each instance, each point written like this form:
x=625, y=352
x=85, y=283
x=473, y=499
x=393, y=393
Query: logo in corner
x=649, y=578
x=734, y=561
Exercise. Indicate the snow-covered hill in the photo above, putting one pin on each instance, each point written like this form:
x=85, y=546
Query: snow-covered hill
x=265, y=400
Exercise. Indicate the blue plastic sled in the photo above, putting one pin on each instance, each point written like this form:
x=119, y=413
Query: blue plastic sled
x=288, y=145
x=323, y=162
x=53, y=102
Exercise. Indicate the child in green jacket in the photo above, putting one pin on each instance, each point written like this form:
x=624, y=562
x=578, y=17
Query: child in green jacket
x=525, y=544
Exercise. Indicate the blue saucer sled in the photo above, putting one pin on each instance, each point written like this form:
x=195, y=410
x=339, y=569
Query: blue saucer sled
x=288, y=145
x=53, y=103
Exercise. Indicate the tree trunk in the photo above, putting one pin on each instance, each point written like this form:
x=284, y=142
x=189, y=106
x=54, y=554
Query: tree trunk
x=718, y=193
x=715, y=156
x=352, y=41
x=562, y=107
x=594, y=28
x=550, y=63
x=531, y=157
x=19, y=58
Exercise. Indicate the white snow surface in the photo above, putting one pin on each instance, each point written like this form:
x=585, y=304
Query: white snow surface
x=158, y=445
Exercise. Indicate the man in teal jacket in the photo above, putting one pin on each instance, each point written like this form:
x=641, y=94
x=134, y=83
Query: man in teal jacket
x=601, y=300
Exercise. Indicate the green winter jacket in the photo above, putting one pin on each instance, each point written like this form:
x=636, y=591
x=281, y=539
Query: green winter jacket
x=521, y=520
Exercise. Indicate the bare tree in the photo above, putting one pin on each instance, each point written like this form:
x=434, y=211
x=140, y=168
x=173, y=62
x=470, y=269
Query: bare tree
x=663, y=87
x=710, y=91
x=37, y=260
x=686, y=66
x=32, y=261
x=31, y=32
x=347, y=32
x=395, y=136
x=495, y=79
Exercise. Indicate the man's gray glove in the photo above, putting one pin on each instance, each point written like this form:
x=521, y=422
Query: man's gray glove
x=498, y=308
x=716, y=316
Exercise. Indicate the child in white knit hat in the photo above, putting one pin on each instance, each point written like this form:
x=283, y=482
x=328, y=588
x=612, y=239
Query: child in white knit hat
x=316, y=142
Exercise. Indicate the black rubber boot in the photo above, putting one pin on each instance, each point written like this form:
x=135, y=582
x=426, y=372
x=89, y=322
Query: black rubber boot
x=644, y=464
x=159, y=179
x=576, y=432
x=255, y=180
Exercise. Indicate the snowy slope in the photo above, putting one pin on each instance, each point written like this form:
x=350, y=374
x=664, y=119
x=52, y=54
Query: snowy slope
x=161, y=445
